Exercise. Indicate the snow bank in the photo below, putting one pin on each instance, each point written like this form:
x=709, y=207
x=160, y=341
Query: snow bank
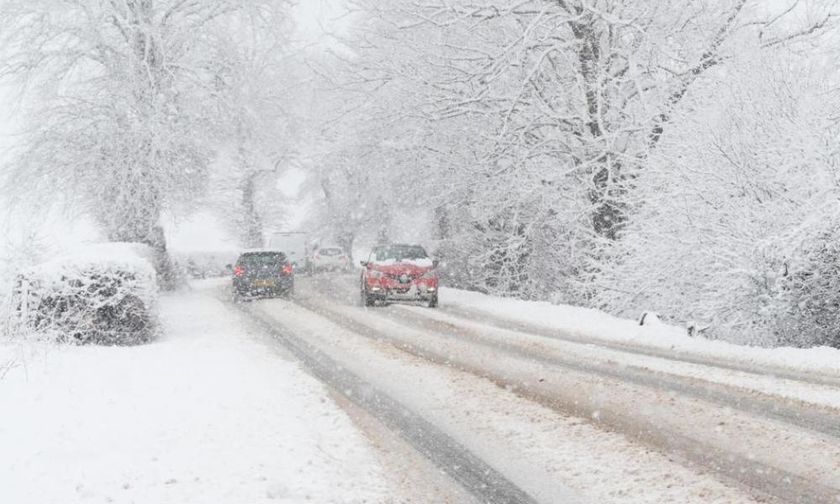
x=600, y=326
x=204, y=414
x=103, y=293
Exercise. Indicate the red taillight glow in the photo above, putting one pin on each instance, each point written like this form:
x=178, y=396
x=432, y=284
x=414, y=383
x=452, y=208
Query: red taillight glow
x=238, y=271
x=287, y=269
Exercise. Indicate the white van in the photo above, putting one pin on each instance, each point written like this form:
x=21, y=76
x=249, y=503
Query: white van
x=295, y=244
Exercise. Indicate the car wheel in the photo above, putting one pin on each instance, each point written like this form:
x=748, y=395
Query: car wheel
x=433, y=302
x=366, y=299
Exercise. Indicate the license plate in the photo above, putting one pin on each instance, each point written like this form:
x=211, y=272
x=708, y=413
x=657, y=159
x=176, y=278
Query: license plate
x=263, y=283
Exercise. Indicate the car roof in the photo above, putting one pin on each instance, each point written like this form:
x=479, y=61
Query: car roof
x=252, y=253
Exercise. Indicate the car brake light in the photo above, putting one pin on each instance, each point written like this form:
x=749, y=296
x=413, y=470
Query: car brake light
x=287, y=269
x=238, y=271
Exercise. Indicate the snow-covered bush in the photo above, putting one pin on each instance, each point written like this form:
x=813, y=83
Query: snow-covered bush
x=808, y=298
x=525, y=252
x=19, y=248
x=736, y=224
x=104, y=294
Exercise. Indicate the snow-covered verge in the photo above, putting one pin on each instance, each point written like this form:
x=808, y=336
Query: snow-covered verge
x=206, y=413
x=597, y=325
x=104, y=293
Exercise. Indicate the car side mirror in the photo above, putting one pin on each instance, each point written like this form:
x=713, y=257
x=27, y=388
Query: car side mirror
x=364, y=264
x=435, y=263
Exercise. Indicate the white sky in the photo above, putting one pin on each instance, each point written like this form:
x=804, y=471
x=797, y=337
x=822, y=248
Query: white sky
x=318, y=19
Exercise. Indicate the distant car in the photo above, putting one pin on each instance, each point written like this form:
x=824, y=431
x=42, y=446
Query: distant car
x=330, y=259
x=399, y=272
x=263, y=274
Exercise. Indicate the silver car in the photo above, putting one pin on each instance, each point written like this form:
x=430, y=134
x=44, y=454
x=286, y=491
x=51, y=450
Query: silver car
x=330, y=259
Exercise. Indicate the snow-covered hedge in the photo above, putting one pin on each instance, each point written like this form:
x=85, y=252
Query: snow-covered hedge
x=104, y=294
x=738, y=219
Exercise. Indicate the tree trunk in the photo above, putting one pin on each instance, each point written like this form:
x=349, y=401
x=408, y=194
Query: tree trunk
x=346, y=241
x=168, y=277
x=252, y=227
x=152, y=235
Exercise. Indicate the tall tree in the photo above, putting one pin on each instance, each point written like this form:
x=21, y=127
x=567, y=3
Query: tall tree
x=537, y=116
x=123, y=101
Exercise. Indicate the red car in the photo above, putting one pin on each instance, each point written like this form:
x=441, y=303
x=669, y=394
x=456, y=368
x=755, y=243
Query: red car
x=399, y=273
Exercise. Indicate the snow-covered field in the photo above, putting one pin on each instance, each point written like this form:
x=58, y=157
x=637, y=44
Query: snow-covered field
x=205, y=414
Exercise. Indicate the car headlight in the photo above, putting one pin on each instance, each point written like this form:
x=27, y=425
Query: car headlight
x=375, y=274
x=429, y=275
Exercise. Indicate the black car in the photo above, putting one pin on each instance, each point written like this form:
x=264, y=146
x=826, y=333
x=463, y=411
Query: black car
x=263, y=274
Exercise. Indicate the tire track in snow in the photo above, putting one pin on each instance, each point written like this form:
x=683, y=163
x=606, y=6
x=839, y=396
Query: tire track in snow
x=492, y=320
x=473, y=474
x=789, y=411
x=793, y=412
x=483, y=317
x=764, y=480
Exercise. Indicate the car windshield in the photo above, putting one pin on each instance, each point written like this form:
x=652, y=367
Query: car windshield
x=399, y=253
x=329, y=251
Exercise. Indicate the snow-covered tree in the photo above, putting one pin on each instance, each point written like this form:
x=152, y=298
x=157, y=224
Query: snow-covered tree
x=737, y=218
x=536, y=118
x=259, y=79
x=125, y=99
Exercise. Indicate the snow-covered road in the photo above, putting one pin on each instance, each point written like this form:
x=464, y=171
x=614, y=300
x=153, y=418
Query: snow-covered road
x=732, y=423
x=414, y=405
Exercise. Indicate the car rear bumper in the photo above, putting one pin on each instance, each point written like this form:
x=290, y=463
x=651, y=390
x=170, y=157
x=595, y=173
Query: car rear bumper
x=413, y=293
x=263, y=287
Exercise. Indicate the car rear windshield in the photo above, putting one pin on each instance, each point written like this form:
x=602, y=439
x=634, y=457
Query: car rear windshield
x=329, y=251
x=399, y=253
x=264, y=259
